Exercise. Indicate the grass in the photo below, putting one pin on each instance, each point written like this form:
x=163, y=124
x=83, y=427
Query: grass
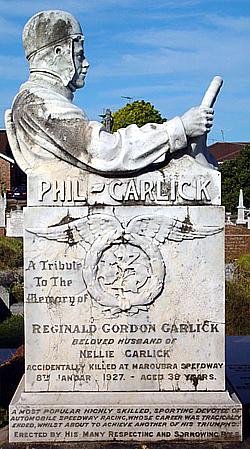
x=238, y=304
x=11, y=253
x=244, y=262
x=17, y=292
x=12, y=332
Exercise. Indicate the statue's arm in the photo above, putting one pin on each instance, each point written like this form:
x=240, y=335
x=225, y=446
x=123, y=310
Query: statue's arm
x=132, y=148
x=48, y=126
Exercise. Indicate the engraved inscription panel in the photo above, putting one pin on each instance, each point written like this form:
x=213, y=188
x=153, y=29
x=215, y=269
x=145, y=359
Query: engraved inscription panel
x=151, y=420
x=181, y=182
x=111, y=305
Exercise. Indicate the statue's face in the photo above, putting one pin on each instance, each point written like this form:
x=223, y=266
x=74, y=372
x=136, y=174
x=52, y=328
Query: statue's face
x=81, y=65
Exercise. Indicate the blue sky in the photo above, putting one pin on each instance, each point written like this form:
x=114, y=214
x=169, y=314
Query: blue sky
x=162, y=51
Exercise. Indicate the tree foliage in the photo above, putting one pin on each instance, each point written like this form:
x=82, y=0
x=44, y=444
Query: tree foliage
x=138, y=112
x=236, y=176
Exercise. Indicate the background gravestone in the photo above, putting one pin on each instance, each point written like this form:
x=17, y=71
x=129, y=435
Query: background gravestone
x=2, y=210
x=14, y=225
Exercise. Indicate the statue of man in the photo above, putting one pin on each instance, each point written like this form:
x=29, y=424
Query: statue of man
x=44, y=124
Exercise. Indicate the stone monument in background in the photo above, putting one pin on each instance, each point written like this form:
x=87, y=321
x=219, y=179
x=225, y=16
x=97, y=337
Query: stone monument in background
x=14, y=223
x=124, y=264
x=3, y=202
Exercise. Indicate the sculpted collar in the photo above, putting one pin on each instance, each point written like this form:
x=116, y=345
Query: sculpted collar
x=50, y=81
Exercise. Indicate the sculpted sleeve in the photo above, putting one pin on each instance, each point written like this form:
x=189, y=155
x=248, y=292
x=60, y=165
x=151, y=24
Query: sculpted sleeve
x=134, y=148
x=47, y=124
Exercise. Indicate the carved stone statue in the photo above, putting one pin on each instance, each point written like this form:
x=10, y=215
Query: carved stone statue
x=44, y=124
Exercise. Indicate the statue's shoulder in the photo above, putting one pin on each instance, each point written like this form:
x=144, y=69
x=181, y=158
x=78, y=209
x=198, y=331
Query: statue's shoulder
x=29, y=95
x=43, y=103
x=37, y=91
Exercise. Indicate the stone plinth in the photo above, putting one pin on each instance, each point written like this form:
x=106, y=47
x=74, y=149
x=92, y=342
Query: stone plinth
x=140, y=416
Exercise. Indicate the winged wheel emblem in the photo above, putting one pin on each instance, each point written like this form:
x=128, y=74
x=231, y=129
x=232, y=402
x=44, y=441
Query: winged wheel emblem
x=123, y=268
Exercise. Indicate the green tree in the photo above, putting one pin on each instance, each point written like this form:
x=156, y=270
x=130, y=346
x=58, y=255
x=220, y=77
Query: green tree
x=138, y=112
x=236, y=176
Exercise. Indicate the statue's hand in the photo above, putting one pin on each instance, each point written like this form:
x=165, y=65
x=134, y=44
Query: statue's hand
x=197, y=121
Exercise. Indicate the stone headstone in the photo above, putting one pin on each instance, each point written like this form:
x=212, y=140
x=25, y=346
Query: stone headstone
x=5, y=296
x=4, y=303
x=17, y=309
x=2, y=210
x=124, y=265
x=230, y=270
x=14, y=226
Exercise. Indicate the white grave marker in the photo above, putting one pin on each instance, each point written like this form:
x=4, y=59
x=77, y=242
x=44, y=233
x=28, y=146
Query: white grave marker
x=14, y=223
x=2, y=210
